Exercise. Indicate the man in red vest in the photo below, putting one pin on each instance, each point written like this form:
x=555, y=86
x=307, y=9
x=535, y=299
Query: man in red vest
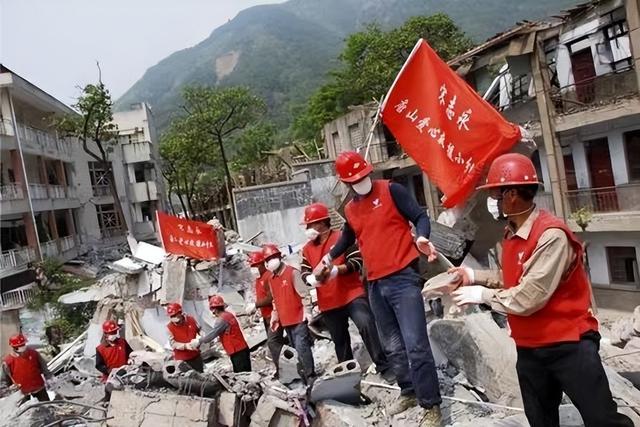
x=291, y=307
x=25, y=368
x=379, y=218
x=340, y=290
x=113, y=351
x=183, y=337
x=229, y=331
x=264, y=302
x=544, y=290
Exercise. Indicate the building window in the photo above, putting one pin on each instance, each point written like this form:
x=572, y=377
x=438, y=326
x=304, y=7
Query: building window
x=108, y=219
x=623, y=264
x=99, y=179
x=355, y=136
x=519, y=88
x=617, y=41
x=632, y=147
x=570, y=172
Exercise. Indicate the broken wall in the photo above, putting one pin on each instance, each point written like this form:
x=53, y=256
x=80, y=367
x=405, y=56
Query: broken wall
x=322, y=177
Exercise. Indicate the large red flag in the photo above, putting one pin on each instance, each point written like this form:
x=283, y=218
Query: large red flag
x=444, y=125
x=185, y=237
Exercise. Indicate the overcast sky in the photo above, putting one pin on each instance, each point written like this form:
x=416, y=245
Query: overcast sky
x=55, y=43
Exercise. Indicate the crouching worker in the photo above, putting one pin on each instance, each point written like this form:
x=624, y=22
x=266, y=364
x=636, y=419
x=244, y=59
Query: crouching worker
x=183, y=337
x=228, y=330
x=112, y=353
x=24, y=368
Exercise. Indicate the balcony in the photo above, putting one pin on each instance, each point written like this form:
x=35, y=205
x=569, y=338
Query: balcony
x=43, y=142
x=67, y=243
x=614, y=208
x=57, y=192
x=16, y=258
x=49, y=249
x=11, y=192
x=38, y=191
x=137, y=152
x=143, y=191
x=18, y=298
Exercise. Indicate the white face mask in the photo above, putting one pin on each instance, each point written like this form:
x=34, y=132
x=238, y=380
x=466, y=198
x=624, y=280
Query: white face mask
x=363, y=187
x=21, y=349
x=112, y=338
x=175, y=319
x=312, y=234
x=255, y=271
x=273, y=264
x=492, y=207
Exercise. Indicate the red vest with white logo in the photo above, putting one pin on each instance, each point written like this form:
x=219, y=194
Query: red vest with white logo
x=261, y=293
x=184, y=333
x=114, y=355
x=232, y=339
x=25, y=371
x=340, y=290
x=383, y=234
x=285, y=298
x=566, y=316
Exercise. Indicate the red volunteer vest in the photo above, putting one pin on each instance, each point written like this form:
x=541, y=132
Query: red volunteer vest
x=261, y=293
x=383, y=234
x=25, y=371
x=285, y=298
x=114, y=355
x=184, y=333
x=566, y=316
x=232, y=339
x=340, y=290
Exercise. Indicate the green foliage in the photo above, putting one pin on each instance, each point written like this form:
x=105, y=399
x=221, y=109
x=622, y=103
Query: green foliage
x=371, y=59
x=251, y=145
x=582, y=217
x=72, y=319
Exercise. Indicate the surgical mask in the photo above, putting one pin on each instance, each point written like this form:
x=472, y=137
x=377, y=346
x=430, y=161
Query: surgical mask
x=175, y=319
x=363, y=187
x=273, y=264
x=21, y=349
x=112, y=338
x=312, y=234
x=255, y=271
x=492, y=207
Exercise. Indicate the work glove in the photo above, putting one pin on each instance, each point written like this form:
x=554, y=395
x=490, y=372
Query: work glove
x=274, y=323
x=334, y=272
x=194, y=343
x=250, y=308
x=179, y=346
x=468, y=295
x=427, y=248
x=312, y=281
x=307, y=316
x=465, y=276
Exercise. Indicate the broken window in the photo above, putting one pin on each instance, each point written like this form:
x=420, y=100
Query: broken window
x=623, y=264
x=617, y=43
x=355, y=135
x=632, y=148
x=519, y=88
x=100, y=180
x=108, y=219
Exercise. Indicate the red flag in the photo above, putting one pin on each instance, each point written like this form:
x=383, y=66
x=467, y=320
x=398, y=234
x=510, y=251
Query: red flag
x=185, y=237
x=444, y=125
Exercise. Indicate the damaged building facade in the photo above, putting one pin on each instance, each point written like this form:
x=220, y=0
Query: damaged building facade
x=572, y=82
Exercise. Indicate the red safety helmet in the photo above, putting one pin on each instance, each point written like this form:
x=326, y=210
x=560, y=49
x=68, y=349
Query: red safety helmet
x=315, y=212
x=256, y=258
x=110, y=327
x=17, y=340
x=511, y=169
x=352, y=167
x=270, y=250
x=216, y=301
x=174, y=309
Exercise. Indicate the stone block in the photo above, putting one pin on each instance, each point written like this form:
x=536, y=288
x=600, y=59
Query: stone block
x=336, y=414
x=226, y=408
x=288, y=364
x=340, y=383
x=173, y=280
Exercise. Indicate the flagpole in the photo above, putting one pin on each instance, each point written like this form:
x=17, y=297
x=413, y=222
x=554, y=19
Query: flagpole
x=373, y=126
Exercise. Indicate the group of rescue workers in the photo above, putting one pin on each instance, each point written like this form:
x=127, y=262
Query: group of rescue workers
x=368, y=273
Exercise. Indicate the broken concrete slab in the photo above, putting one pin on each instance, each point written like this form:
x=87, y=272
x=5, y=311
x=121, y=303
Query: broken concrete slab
x=154, y=360
x=288, y=364
x=149, y=253
x=173, y=280
x=337, y=414
x=340, y=383
x=127, y=266
x=87, y=366
x=476, y=345
x=624, y=393
x=226, y=408
x=145, y=409
x=569, y=417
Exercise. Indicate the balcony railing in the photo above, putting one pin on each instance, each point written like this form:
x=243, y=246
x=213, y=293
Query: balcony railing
x=101, y=190
x=72, y=193
x=18, y=297
x=11, y=192
x=49, y=249
x=111, y=232
x=16, y=258
x=42, y=140
x=6, y=127
x=38, y=191
x=57, y=192
x=545, y=201
x=606, y=199
x=67, y=243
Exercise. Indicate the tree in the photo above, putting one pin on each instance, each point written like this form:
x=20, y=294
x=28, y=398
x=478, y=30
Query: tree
x=370, y=61
x=251, y=145
x=94, y=128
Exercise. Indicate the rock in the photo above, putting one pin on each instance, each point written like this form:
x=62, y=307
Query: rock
x=226, y=408
x=340, y=383
x=270, y=410
x=476, y=345
x=627, y=365
x=173, y=281
x=569, y=417
x=624, y=393
x=87, y=366
x=337, y=414
x=624, y=329
x=288, y=363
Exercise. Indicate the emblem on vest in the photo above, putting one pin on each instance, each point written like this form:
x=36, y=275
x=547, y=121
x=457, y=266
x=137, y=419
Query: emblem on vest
x=520, y=256
x=377, y=203
x=284, y=283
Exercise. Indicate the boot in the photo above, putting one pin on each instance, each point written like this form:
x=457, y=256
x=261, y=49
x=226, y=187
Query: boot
x=432, y=417
x=401, y=404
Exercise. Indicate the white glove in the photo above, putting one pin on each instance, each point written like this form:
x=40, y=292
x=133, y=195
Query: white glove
x=468, y=295
x=326, y=260
x=464, y=275
x=307, y=316
x=334, y=272
x=195, y=343
x=250, y=308
x=427, y=248
x=312, y=281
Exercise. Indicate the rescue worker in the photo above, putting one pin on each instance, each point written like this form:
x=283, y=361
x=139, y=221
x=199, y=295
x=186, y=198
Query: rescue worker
x=25, y=368
x=113, y=351
x=544, y=290
x=291, y=307
x=264, y=301
x=228, y=330
x=341, y=293
x=183, y=337
x=378, y=218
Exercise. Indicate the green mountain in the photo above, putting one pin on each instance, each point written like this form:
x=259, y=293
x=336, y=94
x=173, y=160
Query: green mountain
x=283, y=51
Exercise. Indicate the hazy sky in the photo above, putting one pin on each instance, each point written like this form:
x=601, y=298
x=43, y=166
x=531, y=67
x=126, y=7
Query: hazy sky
x=55, y=43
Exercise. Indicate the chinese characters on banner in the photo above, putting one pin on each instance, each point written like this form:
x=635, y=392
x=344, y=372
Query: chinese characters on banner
x=189, y=238
x=444, y=125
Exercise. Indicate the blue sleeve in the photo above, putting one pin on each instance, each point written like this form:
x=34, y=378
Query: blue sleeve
x=219, y=328
x=410, y=209
x=345, y=241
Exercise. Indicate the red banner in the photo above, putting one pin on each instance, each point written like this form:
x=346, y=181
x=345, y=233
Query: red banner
x=444, y=125
x=189, y=238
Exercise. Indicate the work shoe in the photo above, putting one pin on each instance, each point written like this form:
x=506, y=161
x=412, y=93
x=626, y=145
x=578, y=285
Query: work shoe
x=401, y=404
x=431, y=418
x=388, y=376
